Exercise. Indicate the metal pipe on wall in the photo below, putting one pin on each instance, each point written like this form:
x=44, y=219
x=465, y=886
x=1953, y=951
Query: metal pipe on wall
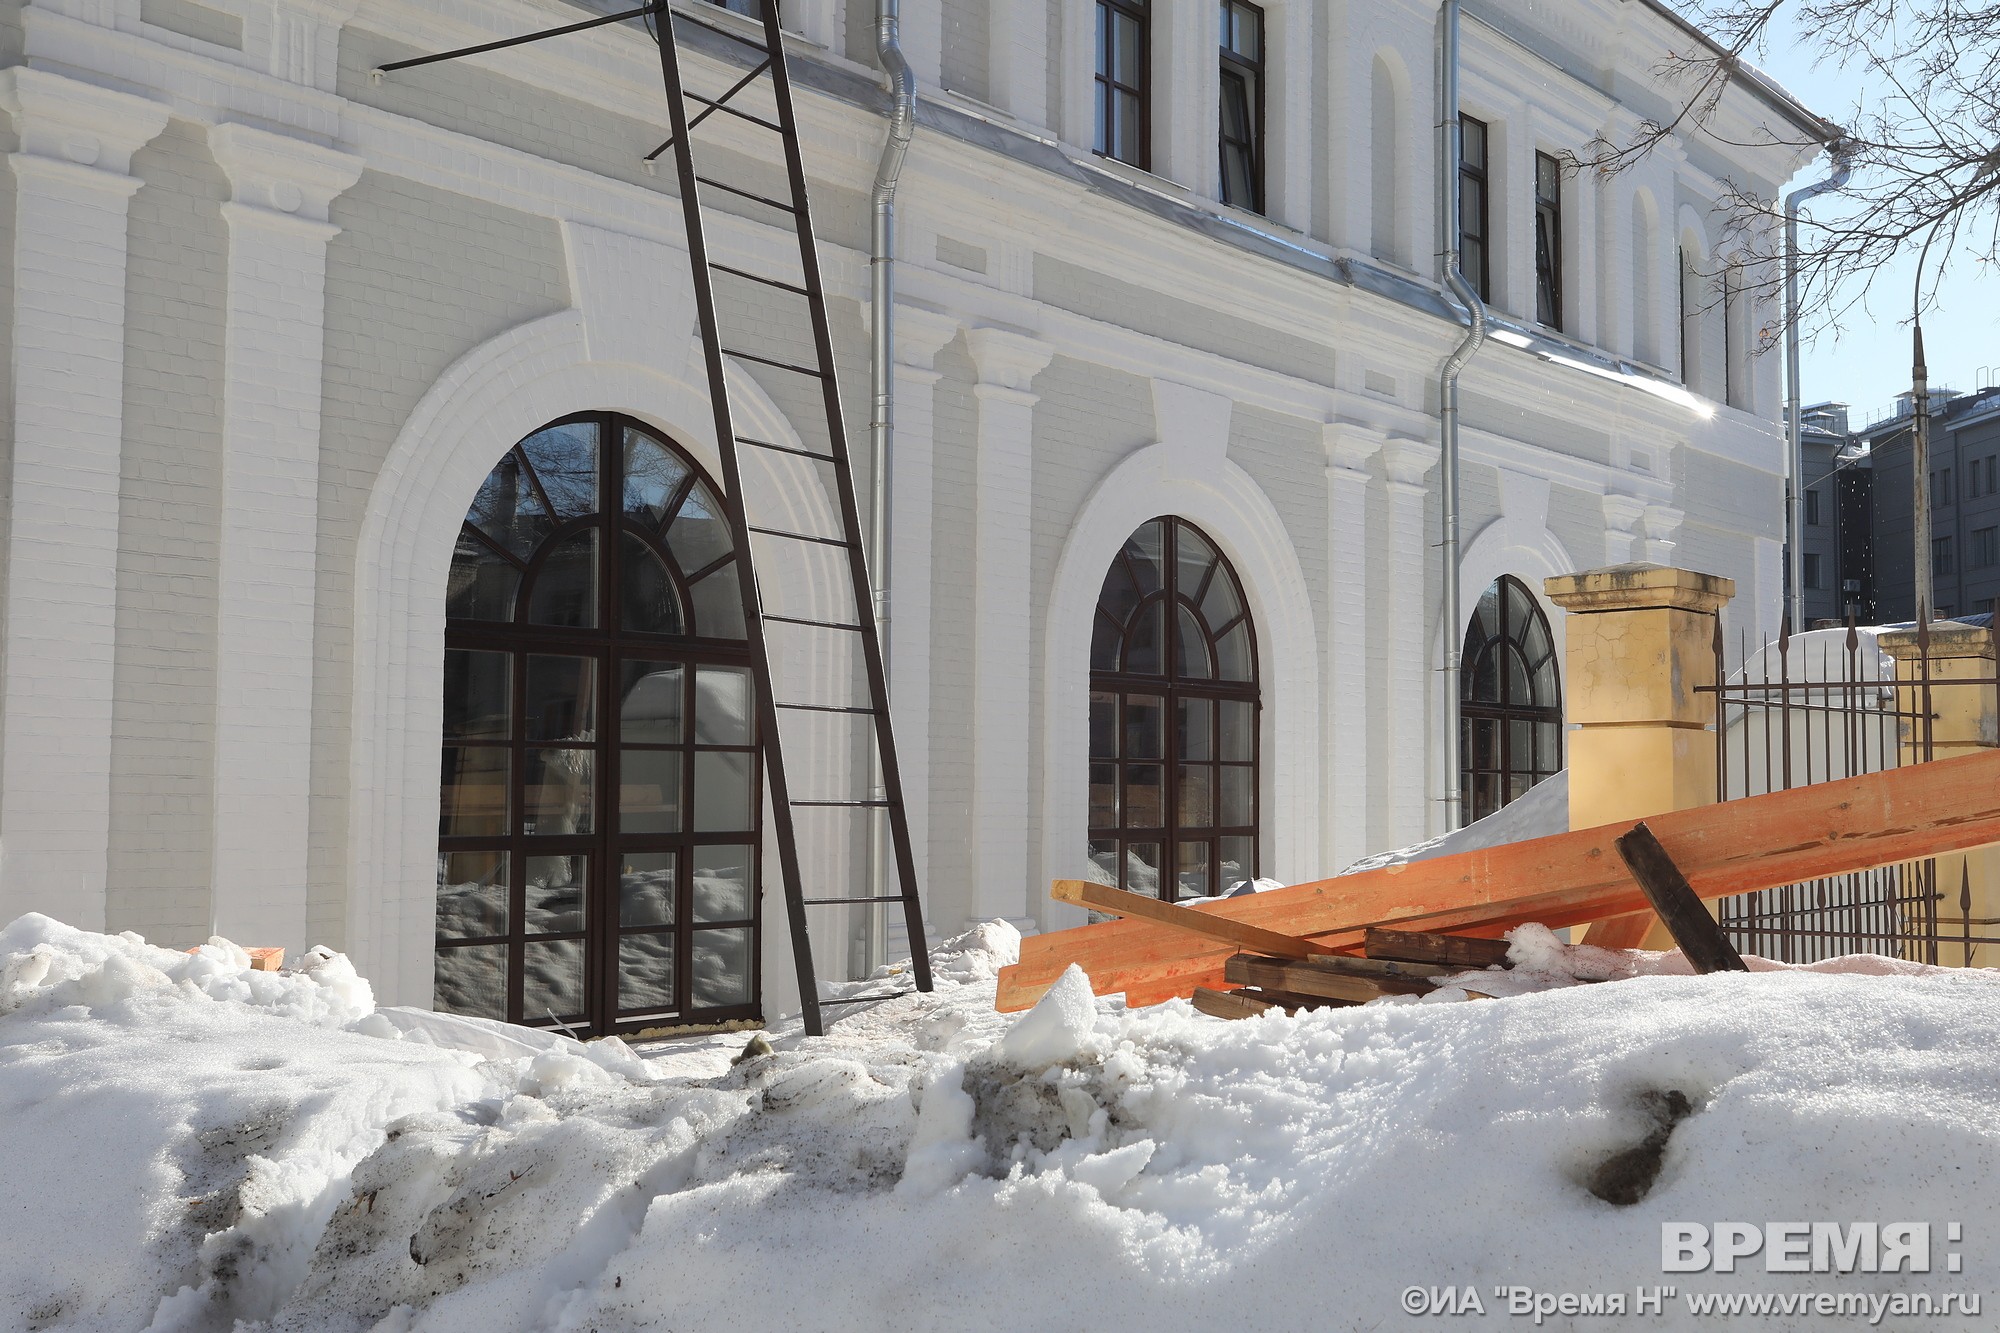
x=1795, y=461
x=1451, y=149
x=882, y=393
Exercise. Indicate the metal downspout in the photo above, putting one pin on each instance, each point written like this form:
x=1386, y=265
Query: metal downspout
x=882, y=395
x=1795, y=462
x=1451, y=149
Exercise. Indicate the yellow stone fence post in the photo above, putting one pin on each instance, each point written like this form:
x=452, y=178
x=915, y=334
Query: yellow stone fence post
x=1640, y=647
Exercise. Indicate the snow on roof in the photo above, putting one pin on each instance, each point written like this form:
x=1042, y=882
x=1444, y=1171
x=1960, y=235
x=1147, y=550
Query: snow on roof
x=188, y=1143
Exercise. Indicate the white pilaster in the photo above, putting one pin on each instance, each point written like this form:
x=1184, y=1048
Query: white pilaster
x=1077, y=115
x=1350, y=146
x=922, y=31
x=1406, y=785
x=72, y=190
x=1017, y=53
x=1663, y=524
x=1289, y=45
x=1621, y=527
x=1187, y=86
x=1511, y=212
x=1007, y=363
x=821, y=22
x=1350, y=451
x=920, y=334
x=281, y=192
x=1580, y=196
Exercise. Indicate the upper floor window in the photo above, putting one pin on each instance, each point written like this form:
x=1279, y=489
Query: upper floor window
x=1122, y=60
x=1472, y=191
x=1241, y=122
x=1548, y=240
x=1812, y=509
x=1815, y=576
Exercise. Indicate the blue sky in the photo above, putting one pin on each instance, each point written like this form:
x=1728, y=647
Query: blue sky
x=1867, y=362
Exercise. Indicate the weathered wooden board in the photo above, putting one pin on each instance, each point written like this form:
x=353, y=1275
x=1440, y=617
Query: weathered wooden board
x=1303, y=978
x=1700, y=937
x=1231, y=1004
x=1735, y=847
x=1458, y=952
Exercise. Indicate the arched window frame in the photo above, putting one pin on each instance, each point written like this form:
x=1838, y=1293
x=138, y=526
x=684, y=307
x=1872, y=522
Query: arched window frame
x=1170, y=737
x=687, y=628
x=1507, y=743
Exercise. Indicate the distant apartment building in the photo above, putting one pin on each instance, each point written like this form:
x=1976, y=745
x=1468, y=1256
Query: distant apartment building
x=1962, y=481
x=1838, y=559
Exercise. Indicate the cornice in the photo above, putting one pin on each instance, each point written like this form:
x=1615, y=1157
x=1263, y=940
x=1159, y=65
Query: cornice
x=70, y=121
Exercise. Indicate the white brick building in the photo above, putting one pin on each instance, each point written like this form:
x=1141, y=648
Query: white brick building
x=270, y=323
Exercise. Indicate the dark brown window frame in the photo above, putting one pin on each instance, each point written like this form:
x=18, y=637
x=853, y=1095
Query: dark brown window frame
x=1251, y=72
x=1107, y=87
x=1171, y=686
x=1503, y=713
x=1548, y=241
x=1480, y=275
x=608, y=645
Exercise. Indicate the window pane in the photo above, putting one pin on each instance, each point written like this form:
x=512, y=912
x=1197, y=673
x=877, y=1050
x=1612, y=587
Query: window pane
x=1221, y=603
x=718, y=604
x=552, y=980
x=474, y=793
x=1548, y=747
x=1193, y=558
x=1144, y=727
x=1103, y=725
x=649, y=791
x=562, y=698
x=1125, y=50
x=1239, y=729
x=650, y=603
x=565, y=591
x=1238, y=797
x=565, y=462
x=557, y=797
x=645, y=972
x=1107, y=639
x=1120, y=595
x=1194, y=663
x=1197, y=795
x=1239, y=862
x=481, y=585
x=472, y=980
x=1473, y=135
x=699, y=535
x=1103, y=855
x=652, y=474
x=1126, y=121
x=722, y=882
x=472, y=895
x=646, y=890
x=1191, y=870
x=1104, y=796
x=477, y=690
x=554, y=891
x=722, y=707
x=721, y=974
x=1485, y=750
x=721, y=791
x=1143, y=795
x=1143, y=654
x=1232, y=653
x=509, y=509
x=650, y=702
x=1196, y=729
x=1142, y=867
x=1239, y=188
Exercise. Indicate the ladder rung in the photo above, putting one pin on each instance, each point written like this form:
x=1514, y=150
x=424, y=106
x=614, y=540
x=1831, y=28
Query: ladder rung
x=848, y=805
x=870, y=999
x=804, y=537
x=734, y=89
x=814, y=624
x=836, y=902
x=767, y=361
x=828, y=708
x=746, y=194
x=786, y=449
x=682, y=16
x=715, y=104
x=758, y=277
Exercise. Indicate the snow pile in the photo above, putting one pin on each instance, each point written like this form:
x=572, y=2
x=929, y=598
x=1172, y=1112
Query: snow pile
x=185, y=1149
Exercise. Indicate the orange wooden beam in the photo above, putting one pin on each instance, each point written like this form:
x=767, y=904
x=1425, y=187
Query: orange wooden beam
x=1761, y=842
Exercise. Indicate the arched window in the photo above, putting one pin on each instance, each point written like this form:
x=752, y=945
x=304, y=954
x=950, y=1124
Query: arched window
x=1173, y=719
x=1510, y=705
x=597, y=840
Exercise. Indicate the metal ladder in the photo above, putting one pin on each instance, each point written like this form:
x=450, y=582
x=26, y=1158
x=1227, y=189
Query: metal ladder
x=831, y=640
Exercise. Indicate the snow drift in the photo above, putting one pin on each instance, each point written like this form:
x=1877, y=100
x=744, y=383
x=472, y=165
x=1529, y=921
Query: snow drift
x=188, y=1144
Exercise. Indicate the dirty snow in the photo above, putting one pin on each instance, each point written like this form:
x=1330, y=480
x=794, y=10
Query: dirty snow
x=188, y=1144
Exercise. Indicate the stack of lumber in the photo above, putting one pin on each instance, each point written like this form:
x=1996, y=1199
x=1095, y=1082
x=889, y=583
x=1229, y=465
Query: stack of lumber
x=1760, y=842
x=1392, y=962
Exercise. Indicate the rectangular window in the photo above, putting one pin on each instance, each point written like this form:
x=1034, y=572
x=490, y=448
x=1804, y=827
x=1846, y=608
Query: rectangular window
x=1985, y=548
x=1812, y=509
x=1815, y=577
x=1548, y=240
x=1472, y=229
x=1943, y=559
x=1241, y=120
x=1122, y=60
x=1945, y=486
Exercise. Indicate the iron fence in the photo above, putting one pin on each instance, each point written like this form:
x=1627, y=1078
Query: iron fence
x=1815, y=708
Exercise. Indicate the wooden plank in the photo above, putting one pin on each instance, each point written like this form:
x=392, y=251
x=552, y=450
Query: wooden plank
x=1391, y=968
x=1761, y=842
x=1104, y=898
x=1310, y=979
x=1462, y=952
x=1701, y=939
x=1230, y=1003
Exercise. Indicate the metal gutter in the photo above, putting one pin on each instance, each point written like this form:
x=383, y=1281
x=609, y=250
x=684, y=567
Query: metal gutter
x=1795, y=495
